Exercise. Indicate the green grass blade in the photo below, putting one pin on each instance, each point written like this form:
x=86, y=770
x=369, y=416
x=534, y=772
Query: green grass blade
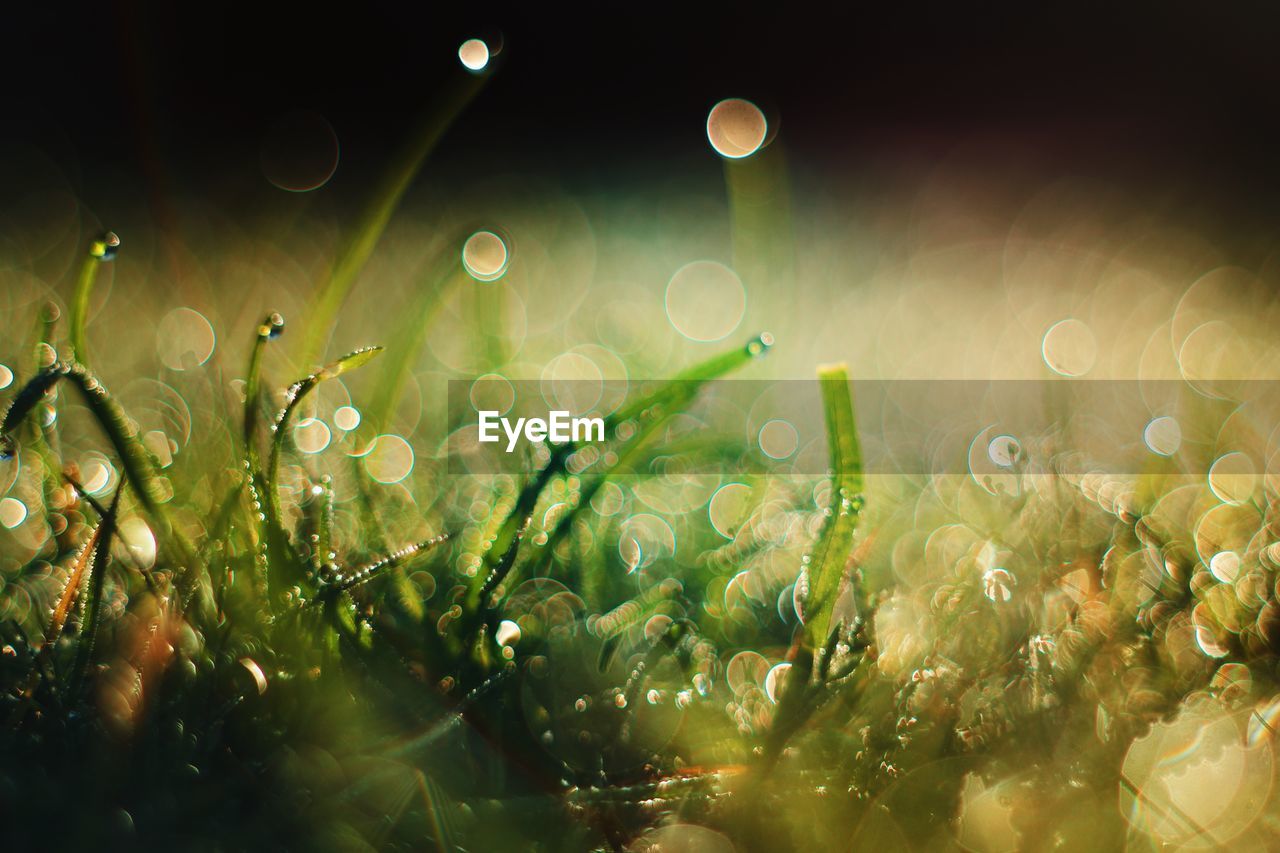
x=654, y=408
x=270, y=329
x=102, y=249
x=96, y=583
x=282, y=562
x=835, y=541
x=377, y=214
x=139, y=467
x=296, y=394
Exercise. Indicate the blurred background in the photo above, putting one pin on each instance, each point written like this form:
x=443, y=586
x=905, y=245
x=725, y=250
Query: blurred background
x=939, y=186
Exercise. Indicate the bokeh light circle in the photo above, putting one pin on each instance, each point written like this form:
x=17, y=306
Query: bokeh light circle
x=1163, y=436
x=346, y=418
x=389, y=460
x=705, y=301
x=485, y=256
x=300, y=152
x=1070, y=348
x=184, y=339
x=474, y=54
x=12, y=512
x=736, y=128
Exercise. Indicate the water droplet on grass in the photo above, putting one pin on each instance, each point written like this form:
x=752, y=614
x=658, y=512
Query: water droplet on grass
x=105, y=247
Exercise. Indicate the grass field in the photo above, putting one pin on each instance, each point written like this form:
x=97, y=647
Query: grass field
x=245, y=602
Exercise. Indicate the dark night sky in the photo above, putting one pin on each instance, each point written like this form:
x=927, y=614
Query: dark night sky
x=1166, y=90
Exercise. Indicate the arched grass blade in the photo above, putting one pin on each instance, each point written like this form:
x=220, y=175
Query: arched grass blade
x=93, y=592
x=667, y=400
x=377, y=214
x=102, y=249
x=282, y=561
x=138, y=465
x=293, y=397
x=346, y=582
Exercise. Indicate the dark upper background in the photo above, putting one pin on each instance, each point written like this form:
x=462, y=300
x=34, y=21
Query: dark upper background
x=181, y=92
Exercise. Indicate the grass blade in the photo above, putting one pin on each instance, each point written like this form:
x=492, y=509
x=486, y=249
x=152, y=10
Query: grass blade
x=377, y=214
x=100, y=250
x=139, y=467
x=293, y=397
x=835, y=541
x=279, y=554
x=654, y=408
x=96, y=583
x=58, y=618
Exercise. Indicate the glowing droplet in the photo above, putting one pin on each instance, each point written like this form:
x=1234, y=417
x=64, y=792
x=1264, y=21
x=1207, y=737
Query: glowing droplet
x=311, y=435
x=705, y=301
x=346, y=418
x=775, y=680
x=778, y=439
x=1004, y=450
x=474, y=54
x=1069, y=347
x=508, y=633
x=389, y=460
x=184, y=339
x=105, y=247
x=1225, y=565
x=1163, y=436
x=6, y=376
x=12, y=512
x=997, y=584
x=98, y=476
x=1233, y=478
x=139, y=542
x=736, y=128
x=485, y=256
x=729, y=507
x=259, y=677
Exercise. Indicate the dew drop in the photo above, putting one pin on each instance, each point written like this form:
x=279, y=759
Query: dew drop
x=736, y=128
x=508, y=633
x=105, y=247
x=997, y=584
x=12, y=512
x=474, y=54
x=346, y=418
x=1004, y=450
x=775, y=680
